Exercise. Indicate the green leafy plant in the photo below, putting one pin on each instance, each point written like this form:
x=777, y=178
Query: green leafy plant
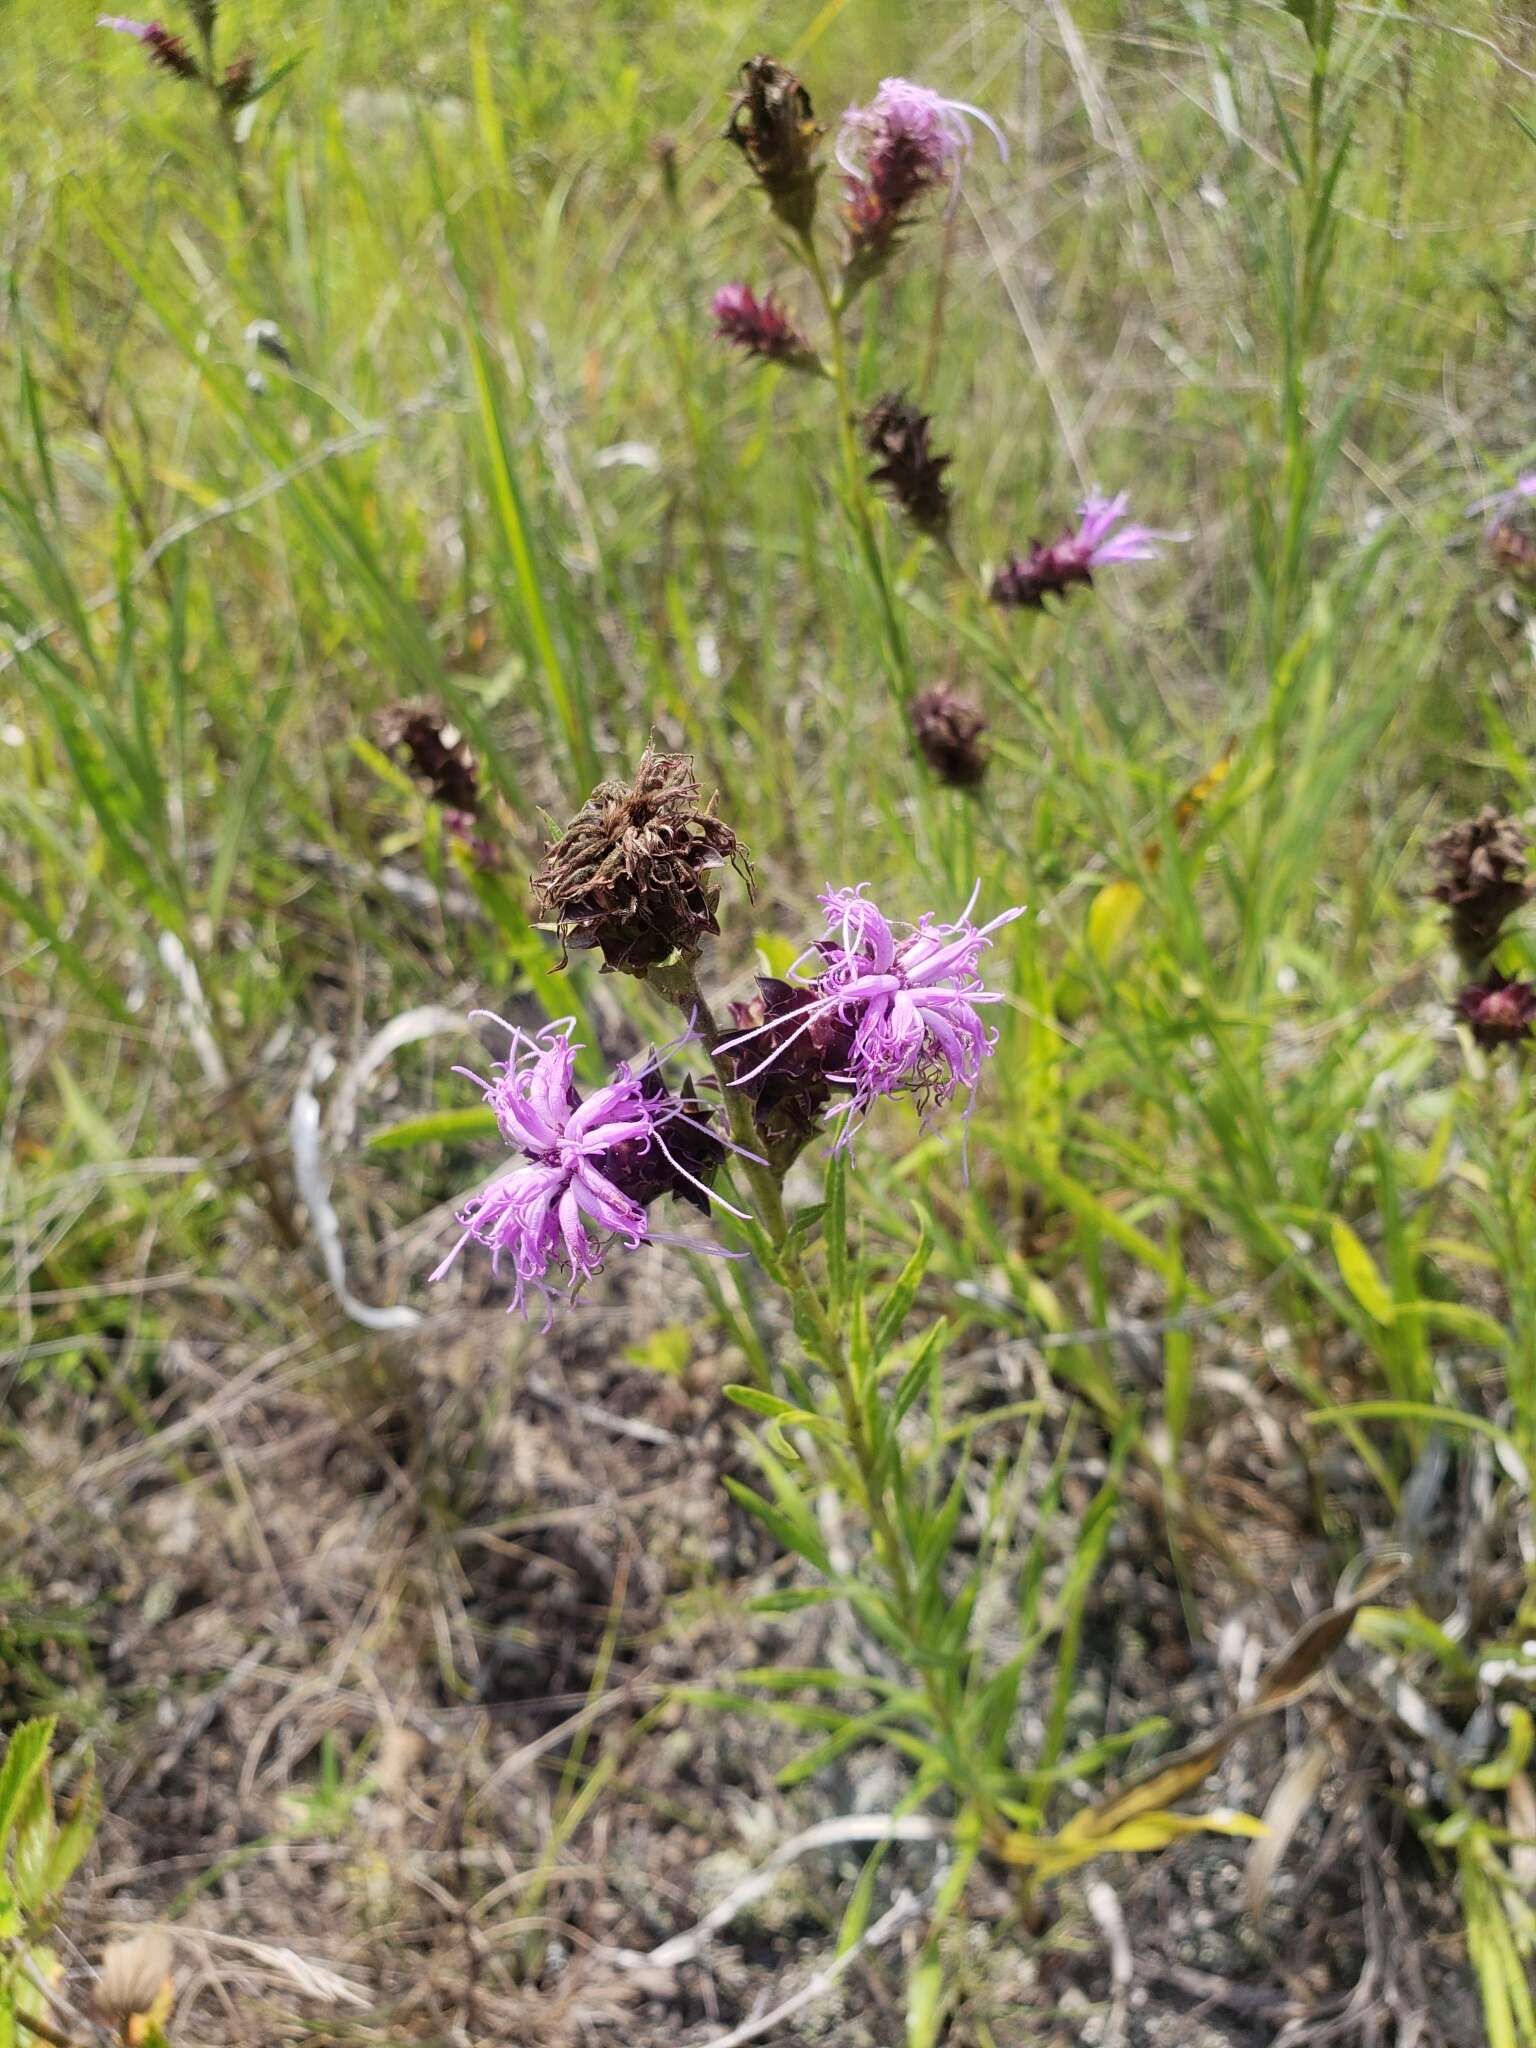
x=39, y=1854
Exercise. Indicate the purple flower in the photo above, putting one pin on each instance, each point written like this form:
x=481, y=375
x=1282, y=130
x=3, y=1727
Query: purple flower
x=896, y=1007
x=908, y=140
x=165, y=47
x=1499, y=503
x=589, y=1165
x=761, y=327
x=1051, y=571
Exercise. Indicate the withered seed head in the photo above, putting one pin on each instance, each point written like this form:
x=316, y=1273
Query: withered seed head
x=907, y=467
x=774, y=126
x=1483, y=879
x=629, y=875
x=948, y=727
x=135, y=1987
x=437, y=753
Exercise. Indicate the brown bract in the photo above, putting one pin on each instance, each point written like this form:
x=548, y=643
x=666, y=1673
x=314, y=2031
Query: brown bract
x=789, y=1094
x=774, y=126
x=907, y=466
x=630, y=874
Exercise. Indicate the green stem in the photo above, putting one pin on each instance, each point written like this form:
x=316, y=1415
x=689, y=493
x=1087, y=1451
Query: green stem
x=679, y=984
x=853, y=472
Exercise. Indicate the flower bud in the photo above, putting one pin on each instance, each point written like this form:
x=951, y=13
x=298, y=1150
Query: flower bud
x=948, y=728
x=761, y=327
x=907, y=467
x=436, y=752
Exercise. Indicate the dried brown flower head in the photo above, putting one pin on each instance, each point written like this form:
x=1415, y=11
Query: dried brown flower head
x=1483, y=879
x=436, y=752
x=774, y=126
x=630, y=874
x=906, y=466
x=948, y=727
x=134, y=1990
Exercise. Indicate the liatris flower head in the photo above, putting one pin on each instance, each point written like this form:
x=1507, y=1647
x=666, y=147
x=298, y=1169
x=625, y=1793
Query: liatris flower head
x=761, y=327
x=631, y=873
x=790, y=1090
x=1498, y=1011
x=1483, y=879
x=948, y=727
x=897, y=1006
x=589, y=1168
x=1051, y=571
x=436, y=752
x=163, y=45
x=774, y=126
x=907, y=467
x=907, y=142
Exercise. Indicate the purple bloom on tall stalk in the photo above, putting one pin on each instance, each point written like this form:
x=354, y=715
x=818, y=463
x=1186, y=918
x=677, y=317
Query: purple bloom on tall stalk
x=907, y=142
x=1051, y=571
x=164, y=46
x=590, y=1166
x=897, y=1007
x=761, y=327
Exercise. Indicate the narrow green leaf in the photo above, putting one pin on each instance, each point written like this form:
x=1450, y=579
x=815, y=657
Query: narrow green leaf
x=24, y=1756
x=1360, y=1273
x=787, y=1533
x=893, y=1310
x=437, y=1126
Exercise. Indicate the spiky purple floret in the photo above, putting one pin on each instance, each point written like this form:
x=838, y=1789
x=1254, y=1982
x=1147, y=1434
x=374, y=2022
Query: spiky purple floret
x=905, y=999
x=586, y=1163
x=1051, y=571
x=759, y=325
x=908, y=140
x=164, y=46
